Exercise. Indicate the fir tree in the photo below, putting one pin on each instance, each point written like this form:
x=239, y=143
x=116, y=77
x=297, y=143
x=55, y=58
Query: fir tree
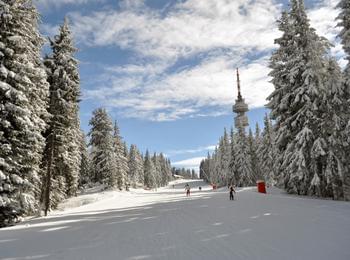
x=252, y=150
x=157, y=170
x=224, y=158
x=232, y=165
x=23, y=105
x=204, y=170
x=344, y=23
x=121, y=158
x=298, y=78
x=165, y=170
x=135, y=164
x=103, y=158
x=243, y=173
x=267, y=153
x=85, y=165
x=149, y=172
x=62, y=159
x=333, y=114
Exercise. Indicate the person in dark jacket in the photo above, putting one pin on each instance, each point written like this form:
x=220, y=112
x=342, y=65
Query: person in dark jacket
x=188, y=190
x=232, y=190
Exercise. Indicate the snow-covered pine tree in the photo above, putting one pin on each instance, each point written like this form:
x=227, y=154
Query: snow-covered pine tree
x=298, y=70
x=62, y=160
x=165, y=170
x=193, y=174
x=103, y=158
x=257, y=141
x=140, y=172
x=65, y=78
x=204, y=171
x=243, y=173
x=132, y=166
x=232, y=166
x=149, y=172
x=280, y=98
x=23, y=105
x=334, y=115
x=157, y=168
x=344, y=22
x=121, y=158
x=135, y=164
x=85, y=165
x=252, y=142
x=214, y=167
x=224, y=158
x=267, y=153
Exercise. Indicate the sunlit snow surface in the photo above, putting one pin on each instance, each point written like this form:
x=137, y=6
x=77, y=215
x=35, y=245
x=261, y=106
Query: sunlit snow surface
x=165, y=224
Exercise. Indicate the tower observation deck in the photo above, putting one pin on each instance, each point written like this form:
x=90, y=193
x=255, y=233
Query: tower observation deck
x=240, y=108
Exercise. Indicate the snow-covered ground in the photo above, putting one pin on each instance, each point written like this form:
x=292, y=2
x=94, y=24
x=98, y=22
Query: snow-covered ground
x=165, y=224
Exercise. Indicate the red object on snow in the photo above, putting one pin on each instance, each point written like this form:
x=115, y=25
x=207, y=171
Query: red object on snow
x=261, y=186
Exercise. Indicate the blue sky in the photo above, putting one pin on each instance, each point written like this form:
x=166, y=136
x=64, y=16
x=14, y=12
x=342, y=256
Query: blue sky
x=164, y=69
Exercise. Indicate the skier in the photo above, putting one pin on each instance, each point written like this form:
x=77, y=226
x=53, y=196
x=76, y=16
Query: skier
x=232, y=190
x=188, y=189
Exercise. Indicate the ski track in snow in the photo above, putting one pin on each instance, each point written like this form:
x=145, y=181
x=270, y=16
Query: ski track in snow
x=165, y=224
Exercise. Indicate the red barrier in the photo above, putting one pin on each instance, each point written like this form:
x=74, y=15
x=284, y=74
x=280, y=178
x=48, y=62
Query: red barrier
x=261, y=186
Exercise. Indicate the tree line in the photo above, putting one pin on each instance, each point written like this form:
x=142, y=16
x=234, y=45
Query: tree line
x=305, y=148
x=44, y=157
x=111, y=163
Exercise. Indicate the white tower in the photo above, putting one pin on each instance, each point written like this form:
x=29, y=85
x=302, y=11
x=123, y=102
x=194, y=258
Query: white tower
x=240, y=107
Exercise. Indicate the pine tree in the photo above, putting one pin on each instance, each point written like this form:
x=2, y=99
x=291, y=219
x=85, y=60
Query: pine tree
x=252, y=150
x=224, y=158
x=23, y=105
x=121, y=158
x=333, y=114
x=103, y=158
x=258, y=163
x=344, y=22
x=135, y=164
x=65, y=78
x=62, y=159
x=280, y=98
x=243, y=173
x=165, y=170
x=232, y=166
x=267, y=153
x=85, y=165
x=204, y=171
x=149, y=172
x=298, y=78
x=213, y=167
x=193, y=174
x=157, y=170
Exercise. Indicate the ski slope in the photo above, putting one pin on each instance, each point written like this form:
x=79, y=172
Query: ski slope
x=164, y=224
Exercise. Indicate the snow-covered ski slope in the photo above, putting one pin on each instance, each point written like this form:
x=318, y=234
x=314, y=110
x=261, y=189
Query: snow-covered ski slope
x=164, y=224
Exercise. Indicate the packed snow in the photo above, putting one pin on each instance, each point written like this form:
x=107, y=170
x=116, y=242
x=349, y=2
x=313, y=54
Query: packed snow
x=165, y=224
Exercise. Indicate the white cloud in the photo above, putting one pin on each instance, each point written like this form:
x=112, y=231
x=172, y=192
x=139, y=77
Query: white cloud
x=190, y=27
x=323, y=19
x=191, y=151
x=49, y=30
x=211, y=83
x=191, y=163
x=47, y=4
x=220, y=35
